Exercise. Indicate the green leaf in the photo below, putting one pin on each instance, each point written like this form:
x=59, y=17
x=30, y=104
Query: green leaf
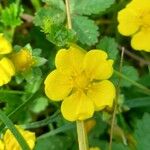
x=60, y=35
x=142, y=133
x=51, y=21
x=88, y=7
x=48, y=16
x=10, y=16
x=119, y=146
x=86, y=30
x=10, y=100
x=39, y=105
x=128, y=71
x=110, y=46
x=53, y=143
x=138, y=102
x=145, y=80
x=59, y=4
x=39, y=61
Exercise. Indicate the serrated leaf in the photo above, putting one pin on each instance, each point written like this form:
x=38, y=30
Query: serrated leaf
x=142, y=133
x=60, y=36
x=39, y=61
x=39, y=105
x=48, y=16
x=10, y=16
x=86, y=30
x=88, y=7
x=109, y=45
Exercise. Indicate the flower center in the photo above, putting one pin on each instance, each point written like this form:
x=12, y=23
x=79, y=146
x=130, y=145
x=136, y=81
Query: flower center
x=81, y=82
x=145, y=20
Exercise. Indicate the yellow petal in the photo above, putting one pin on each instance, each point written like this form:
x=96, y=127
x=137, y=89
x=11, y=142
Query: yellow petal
x=102, y=94
x=57, y=85
x=70, y=60
x=128, y=21
x=139, y=5
x=96, y=66
x=1, y=145
x=12, y=144
x=77, y=107
x=5, y=45
x=7, y=70
x=141, y=40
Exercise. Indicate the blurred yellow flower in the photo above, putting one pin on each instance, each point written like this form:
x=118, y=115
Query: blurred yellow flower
x=94, y=148
x=10, y=143
x=80, y=80
x=5, y=45
x=22, y=60
x=7, y=69
x=134, y=20
x=1, y=145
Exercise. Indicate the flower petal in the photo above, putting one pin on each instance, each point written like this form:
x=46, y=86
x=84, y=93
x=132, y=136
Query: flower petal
x=102, y=94
x=7, y=70
x=77, y=107
x=57, y=85
x=128, y=21
x=70, y=60
x=5, y=46
x=11, y=143
x=96, y=66
x=2, y=145
x=141, y=40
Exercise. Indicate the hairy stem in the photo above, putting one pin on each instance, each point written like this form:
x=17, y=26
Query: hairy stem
x=82, y=136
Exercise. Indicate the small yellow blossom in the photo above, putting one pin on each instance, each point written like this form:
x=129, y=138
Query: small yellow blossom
x=10, y=142
x=80, y=80
x=134, y=20
x=89, y=124
x=22, y=60
x=5, y=45
x=94, y=148
x=7, y=70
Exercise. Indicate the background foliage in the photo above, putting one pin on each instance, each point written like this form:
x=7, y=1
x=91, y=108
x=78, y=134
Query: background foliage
x=41, y=26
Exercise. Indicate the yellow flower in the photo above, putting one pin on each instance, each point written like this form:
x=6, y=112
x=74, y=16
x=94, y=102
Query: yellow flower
x=80, y=80
x=7, y=70
x=22, y=60
x=134, y=20
x=10, y=142
x=1, y=145
x=5, y=45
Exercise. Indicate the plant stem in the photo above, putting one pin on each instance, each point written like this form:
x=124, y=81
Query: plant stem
x=68, y=14
x=82, y=136
x=116, y=102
